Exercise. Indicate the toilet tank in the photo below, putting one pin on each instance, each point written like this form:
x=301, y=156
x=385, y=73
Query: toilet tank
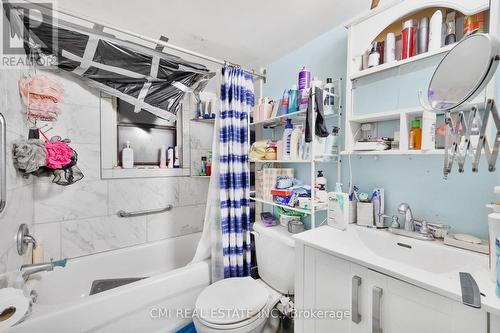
x=275, y=249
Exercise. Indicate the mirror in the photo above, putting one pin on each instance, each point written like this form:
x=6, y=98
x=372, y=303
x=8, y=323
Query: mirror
x=463, y=72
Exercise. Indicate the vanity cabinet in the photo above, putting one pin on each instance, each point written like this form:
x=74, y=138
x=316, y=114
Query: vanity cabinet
x=377, y=302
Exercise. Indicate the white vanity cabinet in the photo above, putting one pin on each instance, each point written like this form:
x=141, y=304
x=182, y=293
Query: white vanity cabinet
x=384, y=304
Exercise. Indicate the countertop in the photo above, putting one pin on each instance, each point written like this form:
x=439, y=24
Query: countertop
x=343, y=245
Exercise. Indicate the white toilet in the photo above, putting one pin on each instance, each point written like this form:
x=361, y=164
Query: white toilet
x=243, y=305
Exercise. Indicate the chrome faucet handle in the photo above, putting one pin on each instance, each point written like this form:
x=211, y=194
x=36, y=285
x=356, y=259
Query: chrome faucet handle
x=395, y=222
x=23, y=239
x=424, y=229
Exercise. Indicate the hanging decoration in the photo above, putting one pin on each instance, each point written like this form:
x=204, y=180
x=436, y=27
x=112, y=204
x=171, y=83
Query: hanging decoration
x=145, y=77
x=43, y=156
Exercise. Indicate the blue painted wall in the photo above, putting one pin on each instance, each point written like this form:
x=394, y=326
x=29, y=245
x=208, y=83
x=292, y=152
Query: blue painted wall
x=459, y=201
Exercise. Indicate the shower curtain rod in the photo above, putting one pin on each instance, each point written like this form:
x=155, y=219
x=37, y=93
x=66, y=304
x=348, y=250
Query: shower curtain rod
x=149, y=39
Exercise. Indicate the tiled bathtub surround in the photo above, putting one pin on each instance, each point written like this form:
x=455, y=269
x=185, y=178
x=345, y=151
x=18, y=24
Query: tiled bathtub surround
x=81, y=219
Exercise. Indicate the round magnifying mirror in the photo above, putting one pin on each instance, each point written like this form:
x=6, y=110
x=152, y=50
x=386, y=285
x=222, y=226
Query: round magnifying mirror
x=463, y=72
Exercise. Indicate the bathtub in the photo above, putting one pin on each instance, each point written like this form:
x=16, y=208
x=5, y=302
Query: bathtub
x=159, y=302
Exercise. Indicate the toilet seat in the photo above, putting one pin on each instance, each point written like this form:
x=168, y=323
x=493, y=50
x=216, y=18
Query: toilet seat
x=232, y=303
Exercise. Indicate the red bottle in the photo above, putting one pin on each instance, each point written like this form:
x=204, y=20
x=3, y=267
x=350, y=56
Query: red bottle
x=409, y=39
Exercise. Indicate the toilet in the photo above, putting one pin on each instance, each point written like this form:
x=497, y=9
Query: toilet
x=244, y=305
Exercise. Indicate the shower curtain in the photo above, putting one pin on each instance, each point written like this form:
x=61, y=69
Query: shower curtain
x=226, y=230
x=237, y=100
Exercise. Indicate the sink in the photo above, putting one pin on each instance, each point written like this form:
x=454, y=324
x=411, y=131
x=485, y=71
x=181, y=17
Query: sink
x=431, y=257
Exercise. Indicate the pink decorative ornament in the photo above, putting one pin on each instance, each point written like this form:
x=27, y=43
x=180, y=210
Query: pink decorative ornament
x=58, y=154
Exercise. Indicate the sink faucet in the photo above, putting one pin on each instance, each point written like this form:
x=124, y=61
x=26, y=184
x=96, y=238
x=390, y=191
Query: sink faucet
x=30, y=269
x=405, y=209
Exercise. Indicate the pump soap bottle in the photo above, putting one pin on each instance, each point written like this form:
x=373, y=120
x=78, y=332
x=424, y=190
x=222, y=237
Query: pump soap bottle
x=127, y=156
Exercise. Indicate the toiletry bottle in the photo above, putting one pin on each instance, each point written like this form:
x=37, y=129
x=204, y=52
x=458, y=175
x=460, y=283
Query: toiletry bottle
x=203, y=166
x=332, y=141
x=176, y=158
x=294, y=143
x=127, y=156
x=428, y=130
x=390, y=48
x=408, y=37
x=435, y=31
x=415, y=135
x=208, y=170
x=170, y=157
x=450, y=29
x=329, y=100
x=381, y=51
x=287, y=137
x=285, y=101
x=374, y=57
x=423, y=35
x=293, y=99
x=304, y=87
x=163, y=157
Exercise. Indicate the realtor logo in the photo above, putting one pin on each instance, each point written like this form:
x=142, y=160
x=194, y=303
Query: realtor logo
x=21, y=23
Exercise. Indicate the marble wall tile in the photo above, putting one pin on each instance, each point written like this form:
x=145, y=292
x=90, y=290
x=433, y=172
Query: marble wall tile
x=49, y=235
x=83, y=237
x=193, y=191
x=180, y=221
x=142, y=194
x=79, y=123
x=201, y=135
x=83, y=199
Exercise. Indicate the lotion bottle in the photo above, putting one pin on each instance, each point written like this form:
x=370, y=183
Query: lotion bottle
x=127, y=156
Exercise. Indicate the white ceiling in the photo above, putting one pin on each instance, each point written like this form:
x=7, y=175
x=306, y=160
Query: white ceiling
x=251, y=33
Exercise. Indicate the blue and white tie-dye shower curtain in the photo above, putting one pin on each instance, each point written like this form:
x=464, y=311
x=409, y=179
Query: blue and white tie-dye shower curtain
x=237, y=99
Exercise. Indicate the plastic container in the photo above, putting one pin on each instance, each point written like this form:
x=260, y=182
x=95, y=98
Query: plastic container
x=293, y=99
x=285, y=101
x=304, y=87
x=435, y=31
x=390, y=48
x=423, y=35
x=415, y=135
x=287, y=139
x=127, y=156
x=409, y=38
x=328, y=100
x=332, y=142
x=428, y=130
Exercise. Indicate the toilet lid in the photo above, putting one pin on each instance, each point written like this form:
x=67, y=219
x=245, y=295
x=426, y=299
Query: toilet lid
x=231, y=300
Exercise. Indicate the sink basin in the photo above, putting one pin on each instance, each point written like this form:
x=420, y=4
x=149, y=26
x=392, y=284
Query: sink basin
x=432, y=257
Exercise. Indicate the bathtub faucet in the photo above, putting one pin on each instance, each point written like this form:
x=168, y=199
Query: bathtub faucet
x=30, y=269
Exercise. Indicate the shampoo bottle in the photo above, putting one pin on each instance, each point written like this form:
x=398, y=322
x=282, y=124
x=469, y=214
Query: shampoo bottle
x=127, y=156
x=163, y=157
x=287, y=137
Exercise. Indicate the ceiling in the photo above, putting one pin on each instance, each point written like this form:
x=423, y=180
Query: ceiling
x=250, y=33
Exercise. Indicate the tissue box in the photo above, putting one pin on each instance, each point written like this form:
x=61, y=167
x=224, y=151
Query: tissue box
x=365, y=213
x=265, y=181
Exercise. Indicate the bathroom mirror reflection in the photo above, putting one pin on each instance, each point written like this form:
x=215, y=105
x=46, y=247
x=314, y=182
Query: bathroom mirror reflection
x=463, y=72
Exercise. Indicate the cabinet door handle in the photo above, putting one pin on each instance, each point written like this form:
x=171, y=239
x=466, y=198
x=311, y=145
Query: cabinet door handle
x=377, y=294
x=355, y=315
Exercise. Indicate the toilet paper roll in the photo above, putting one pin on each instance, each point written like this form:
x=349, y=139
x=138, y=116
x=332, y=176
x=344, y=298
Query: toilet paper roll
x=13, y=307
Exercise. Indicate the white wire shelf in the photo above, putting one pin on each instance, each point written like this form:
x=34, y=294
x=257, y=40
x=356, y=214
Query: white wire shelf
x=203, y=120
x=319, y=206
x=394, y=152
x=295, y=116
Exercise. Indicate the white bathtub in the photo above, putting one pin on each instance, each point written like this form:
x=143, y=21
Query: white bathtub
x=64, y=304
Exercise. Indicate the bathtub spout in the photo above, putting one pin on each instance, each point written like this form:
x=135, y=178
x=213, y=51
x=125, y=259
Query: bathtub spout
x=30, y=269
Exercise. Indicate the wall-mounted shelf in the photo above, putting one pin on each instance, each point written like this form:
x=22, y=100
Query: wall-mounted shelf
x=387, y=66
x=394, y=152
x=203, y=120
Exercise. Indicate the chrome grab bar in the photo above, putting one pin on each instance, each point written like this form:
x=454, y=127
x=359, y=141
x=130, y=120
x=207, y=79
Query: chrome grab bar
x=3, y=164
x=122, y=213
